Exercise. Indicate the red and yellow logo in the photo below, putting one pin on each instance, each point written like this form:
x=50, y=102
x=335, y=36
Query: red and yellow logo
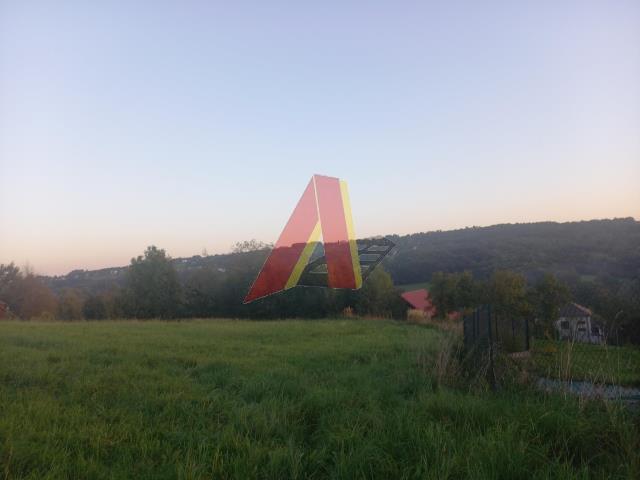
x=324, y=209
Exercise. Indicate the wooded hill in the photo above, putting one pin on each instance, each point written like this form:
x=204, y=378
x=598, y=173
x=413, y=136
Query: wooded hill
x=596, y=249
x=606, y=251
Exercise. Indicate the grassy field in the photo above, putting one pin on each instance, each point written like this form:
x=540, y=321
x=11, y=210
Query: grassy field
x=286, y=399
x=578, y=361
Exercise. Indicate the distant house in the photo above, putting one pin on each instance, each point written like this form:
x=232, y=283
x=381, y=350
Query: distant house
x=4, y=310
x=575, y=323
x=420, y=300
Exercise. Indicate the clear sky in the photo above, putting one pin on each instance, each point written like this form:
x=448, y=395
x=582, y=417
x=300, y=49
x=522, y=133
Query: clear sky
x=194, y=125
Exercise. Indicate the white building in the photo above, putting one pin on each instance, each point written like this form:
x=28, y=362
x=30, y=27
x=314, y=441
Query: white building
x=575, y=323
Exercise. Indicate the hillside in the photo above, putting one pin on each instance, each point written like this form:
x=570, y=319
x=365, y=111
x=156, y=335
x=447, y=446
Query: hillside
x=588, y=250
x=574, y=250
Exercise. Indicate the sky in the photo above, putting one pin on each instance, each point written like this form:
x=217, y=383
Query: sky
x=192, y=125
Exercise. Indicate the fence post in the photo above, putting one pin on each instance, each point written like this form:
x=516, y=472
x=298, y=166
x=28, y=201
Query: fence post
x=475, y=326
x=490, y=326
x=492, y=375
x=464, y=336
x=464, y=332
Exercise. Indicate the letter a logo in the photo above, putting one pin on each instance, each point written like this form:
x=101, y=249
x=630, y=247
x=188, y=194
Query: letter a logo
x=323, y=210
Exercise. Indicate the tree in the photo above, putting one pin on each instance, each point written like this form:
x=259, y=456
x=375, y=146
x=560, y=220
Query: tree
x=153, y=290
x=507, y=293
x=9, y=275
x=443, y=293
x=549, y=295
x=26, y=294
x=200, y=292
x=10, y=282
x=34, y=299
x=454, y=292
x=70, y=305
x=467, y=291
x=378, y=296
x=252, y=245
x=95, y=308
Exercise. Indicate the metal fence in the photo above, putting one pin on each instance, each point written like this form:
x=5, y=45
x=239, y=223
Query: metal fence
x=555, y=363
x=485, y=329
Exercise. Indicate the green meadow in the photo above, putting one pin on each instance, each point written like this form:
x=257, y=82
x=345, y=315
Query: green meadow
x=602, y=364
x=280, y=399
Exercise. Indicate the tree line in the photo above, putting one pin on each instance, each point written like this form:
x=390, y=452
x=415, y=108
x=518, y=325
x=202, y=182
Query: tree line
x=153, y=289
x=596, y=262
x=511, y=295
x=508, y=292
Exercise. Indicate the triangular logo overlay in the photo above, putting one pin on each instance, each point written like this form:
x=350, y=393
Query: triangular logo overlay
x=323, y=209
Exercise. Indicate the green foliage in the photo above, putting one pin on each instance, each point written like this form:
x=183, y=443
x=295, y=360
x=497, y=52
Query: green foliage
x=287, y=399
x=598, y=261
x=549, y=295
x=9, y=276
x=507, y=294
x=443, y=293
x=599, y=248
x=70, y=305
x=600, y=364
x=467, y=291
x=202, y=292
x=452, y=292
x=616, y=304
x=94, y=308
x=153, y=290
x=27, y=295
x=378, y=297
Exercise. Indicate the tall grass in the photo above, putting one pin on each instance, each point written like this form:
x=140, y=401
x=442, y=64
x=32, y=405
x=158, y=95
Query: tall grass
x=599, y=364
x=285, y=399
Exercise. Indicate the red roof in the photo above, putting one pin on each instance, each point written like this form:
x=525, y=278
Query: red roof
x=420, y=300
x=454, y=315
